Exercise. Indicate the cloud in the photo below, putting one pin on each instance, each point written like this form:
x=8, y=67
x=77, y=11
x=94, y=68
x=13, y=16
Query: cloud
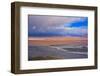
x=56, y=25
x=35, y=20
x=73, y=31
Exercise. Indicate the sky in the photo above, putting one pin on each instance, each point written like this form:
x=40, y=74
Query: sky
x=56, y=26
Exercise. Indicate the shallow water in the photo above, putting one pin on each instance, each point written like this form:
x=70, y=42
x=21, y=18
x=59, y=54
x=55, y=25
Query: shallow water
x=57, y=52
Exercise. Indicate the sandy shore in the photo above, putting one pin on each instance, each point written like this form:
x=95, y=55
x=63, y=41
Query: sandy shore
x=57, y=41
